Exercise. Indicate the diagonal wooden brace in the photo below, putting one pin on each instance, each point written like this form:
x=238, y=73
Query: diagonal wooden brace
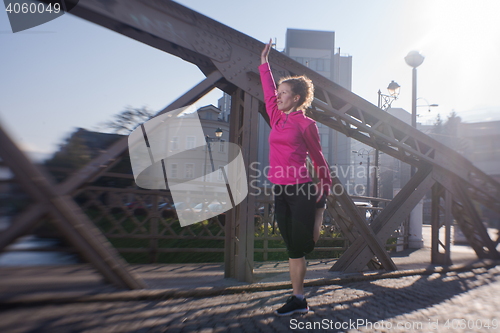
x=69, y=218
x=366, y=232
x=337, y=211
x=478, y=236
x=359, y=254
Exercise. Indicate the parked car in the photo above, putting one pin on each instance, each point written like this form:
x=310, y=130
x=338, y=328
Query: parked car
x=137, y=208
x=365, y=206
x=169, y=210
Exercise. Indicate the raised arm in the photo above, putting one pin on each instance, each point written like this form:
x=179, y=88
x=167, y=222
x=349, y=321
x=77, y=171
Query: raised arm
x=268, y=85
x=265, y=52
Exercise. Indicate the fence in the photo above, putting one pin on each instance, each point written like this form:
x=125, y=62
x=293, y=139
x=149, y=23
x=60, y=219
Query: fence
x=142, y=226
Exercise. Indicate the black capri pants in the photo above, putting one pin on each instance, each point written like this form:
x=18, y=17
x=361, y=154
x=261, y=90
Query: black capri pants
x=295, y=209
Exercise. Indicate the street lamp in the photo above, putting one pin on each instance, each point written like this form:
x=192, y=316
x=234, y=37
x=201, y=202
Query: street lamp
x=218, y=133
x=208, y=139
x=385, y=101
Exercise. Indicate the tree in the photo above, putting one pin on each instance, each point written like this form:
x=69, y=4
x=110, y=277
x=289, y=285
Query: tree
x=72, y=154
x=451, y=125
x=438, y=125
x=127, y=120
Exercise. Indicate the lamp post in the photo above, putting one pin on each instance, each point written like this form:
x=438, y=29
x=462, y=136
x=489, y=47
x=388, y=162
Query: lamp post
x=384, y=102
x=208, y=139
x=415, y=59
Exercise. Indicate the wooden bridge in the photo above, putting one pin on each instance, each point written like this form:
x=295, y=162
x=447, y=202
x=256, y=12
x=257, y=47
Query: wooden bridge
x=230, y=61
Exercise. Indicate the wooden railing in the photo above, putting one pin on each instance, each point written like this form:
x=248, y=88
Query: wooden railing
x=144, y=222
x=142, y=226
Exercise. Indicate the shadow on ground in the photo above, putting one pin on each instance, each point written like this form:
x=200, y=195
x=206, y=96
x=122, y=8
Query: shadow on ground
x=252, y=312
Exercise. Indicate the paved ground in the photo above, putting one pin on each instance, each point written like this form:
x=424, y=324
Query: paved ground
x=448, y=302
x=467, y=298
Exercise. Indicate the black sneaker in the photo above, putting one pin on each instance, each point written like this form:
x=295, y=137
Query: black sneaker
x=293, y=305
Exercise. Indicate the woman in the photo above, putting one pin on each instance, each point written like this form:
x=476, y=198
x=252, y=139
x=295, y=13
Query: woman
x=292, y=136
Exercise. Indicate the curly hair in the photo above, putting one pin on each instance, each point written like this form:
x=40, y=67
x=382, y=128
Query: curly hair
x=302, y=86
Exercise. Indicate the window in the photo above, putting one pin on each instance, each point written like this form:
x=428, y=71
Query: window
x=319, y=65
x=209, y=115
x=173, y=170
x=189, y=171
x=323, y=138
x=326, y=65
x=190, y=142
x=313, y=64
x=221, y=145
x=174, y=144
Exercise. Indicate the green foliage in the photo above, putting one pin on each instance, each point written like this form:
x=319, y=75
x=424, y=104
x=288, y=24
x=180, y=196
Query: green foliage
x=73, y=154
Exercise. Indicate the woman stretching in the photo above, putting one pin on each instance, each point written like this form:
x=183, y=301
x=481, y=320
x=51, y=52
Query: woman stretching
x=293, y=135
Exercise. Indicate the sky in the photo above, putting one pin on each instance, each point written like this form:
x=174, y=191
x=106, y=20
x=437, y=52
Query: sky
x=70, y=73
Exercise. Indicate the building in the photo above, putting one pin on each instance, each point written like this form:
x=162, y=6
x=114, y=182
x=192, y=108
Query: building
x=316, y=50
x=393, y=173
x=224, y=105
x=212, y=118
x=480, y=141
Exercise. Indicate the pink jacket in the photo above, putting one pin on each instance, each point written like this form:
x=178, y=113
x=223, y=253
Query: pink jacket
x=292, y=136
